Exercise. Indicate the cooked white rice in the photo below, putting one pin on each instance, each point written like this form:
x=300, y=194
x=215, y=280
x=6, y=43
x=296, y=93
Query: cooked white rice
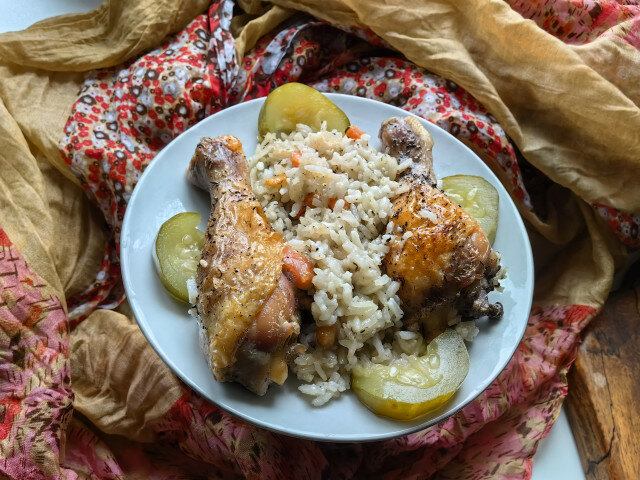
x=346, y=244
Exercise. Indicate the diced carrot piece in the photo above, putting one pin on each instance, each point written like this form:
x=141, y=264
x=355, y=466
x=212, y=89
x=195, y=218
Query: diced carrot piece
x=300, y=212
x=277, y=180
x=295, y=158
x=326, y=335
x=308, y=200
x=233, y=143
x=333, y=201
x=297, y=268
x=354, y=132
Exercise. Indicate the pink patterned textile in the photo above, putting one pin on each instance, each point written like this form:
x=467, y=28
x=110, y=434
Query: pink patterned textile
x=35, y=391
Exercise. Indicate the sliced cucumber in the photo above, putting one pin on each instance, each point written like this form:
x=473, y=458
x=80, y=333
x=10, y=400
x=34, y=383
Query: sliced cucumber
x=178, y=249
x=414, y=385
x=478, y=197
x=295, y=103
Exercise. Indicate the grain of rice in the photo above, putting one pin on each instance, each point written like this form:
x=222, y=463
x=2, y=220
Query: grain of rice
x=192, y=290
x=467, y=330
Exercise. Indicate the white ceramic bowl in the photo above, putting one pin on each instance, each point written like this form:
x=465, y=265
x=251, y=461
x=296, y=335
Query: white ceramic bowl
x=163, y=191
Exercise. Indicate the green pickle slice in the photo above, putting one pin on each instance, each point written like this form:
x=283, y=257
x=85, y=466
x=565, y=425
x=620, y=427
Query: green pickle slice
x=295, y=103
x=414, y=385
x=478, y=197
x=178, y=250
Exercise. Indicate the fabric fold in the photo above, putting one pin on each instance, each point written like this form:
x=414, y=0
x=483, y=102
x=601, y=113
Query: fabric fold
x=113, y=33
x=120, y=384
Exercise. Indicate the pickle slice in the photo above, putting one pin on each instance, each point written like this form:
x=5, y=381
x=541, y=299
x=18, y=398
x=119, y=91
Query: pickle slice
x=478, y=197
x=178, y=250
x=414, y=385
x=295, y=103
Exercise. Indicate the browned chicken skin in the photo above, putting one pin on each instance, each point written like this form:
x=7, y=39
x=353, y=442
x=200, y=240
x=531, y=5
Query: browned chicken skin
x=245, y=303
x=447, y=259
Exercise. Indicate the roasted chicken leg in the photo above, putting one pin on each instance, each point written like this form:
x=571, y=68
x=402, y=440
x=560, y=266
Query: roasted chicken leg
x=246, y=304
x=445, y=258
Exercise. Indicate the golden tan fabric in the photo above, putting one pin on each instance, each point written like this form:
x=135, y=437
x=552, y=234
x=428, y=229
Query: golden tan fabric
x=580, y=271
x=114, y=32
x=48, y=219
x=40, y=102
x=120, y=384
x=249, y=28
x=563, y=106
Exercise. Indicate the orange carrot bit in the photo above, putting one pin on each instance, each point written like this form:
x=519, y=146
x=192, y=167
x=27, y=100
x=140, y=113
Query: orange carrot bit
x=295, y=158
x=326, y=335
x=277, y=180
x=233, y=143
x=333, y=201
x=308, y=200
x=300, y=213
x=297, y=268
x=354, y=132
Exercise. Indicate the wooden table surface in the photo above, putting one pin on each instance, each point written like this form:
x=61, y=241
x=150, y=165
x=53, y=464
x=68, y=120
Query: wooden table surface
x=603, y=404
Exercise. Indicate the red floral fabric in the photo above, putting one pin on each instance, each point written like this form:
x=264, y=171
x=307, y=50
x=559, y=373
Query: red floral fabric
x=125, y=115
x=35, y=382
x=582, y=21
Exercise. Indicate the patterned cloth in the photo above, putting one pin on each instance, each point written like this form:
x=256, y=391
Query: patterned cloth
x=34, y=368
x=124, y=116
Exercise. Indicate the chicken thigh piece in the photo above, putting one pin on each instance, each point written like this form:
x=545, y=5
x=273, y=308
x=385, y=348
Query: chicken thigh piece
x=446, y=258
x=245, y=305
